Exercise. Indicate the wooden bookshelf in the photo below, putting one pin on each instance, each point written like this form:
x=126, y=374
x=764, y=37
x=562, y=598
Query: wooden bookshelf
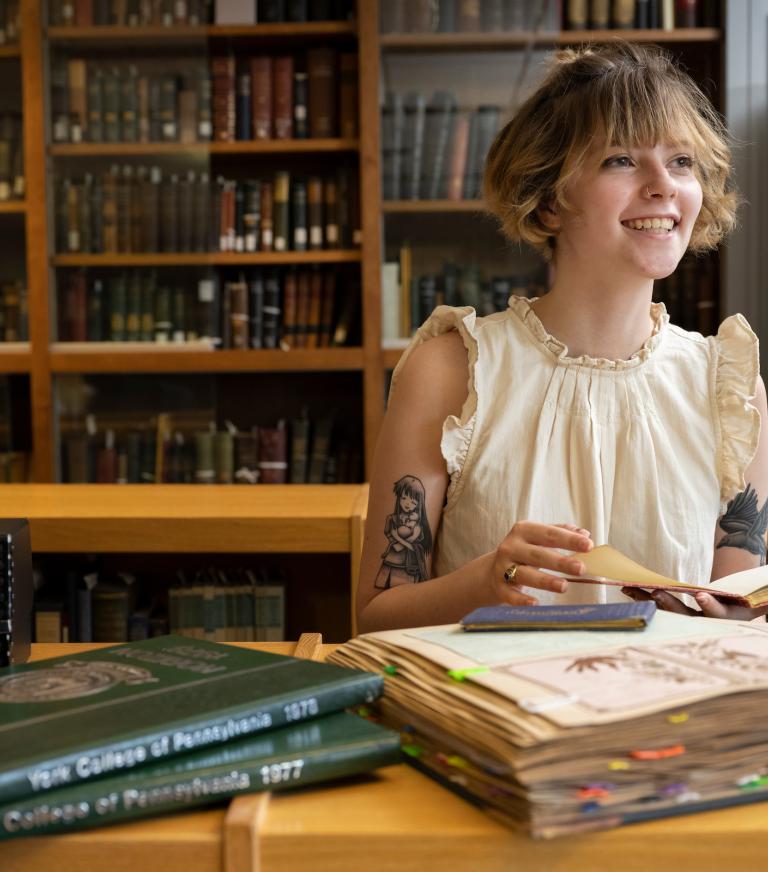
x=150, y=149
x=15, y=357
x=258, y=258
x=109, y=357
x=426, y=42
x=45, y=360
x=401, y=207
x=181, y=34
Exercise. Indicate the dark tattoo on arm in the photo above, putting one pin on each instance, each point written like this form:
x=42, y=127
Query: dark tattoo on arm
x=409, y=538
x=745, y=524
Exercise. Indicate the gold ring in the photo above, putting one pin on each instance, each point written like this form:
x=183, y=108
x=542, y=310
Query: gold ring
x=510, y=572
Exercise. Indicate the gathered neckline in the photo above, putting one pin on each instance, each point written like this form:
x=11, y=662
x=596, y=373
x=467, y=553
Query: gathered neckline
x=523, y=308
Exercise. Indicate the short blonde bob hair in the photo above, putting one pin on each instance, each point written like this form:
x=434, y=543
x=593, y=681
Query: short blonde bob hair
x=635, y=95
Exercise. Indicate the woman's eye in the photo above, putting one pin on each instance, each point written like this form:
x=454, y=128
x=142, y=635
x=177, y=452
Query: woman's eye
x=683, y=161
x=618, y=161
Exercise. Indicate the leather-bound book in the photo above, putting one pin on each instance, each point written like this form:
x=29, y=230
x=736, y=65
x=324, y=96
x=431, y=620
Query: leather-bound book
x=144, y=122
x=261, y=97
x=330, y=210
x=117, y=304
x=273, y=454
x=282, y=185
x=243, y=105
x=315, y=308
x=223, y=98
x=133, y=307
x=323, y=87
x=315, y=212
x=251, y=215
x=169, y=122
x=124, y=196
x=283, y=97
x=185, y=214
x=300, y=429
x=78, y=107
x=147, y=306
x=201, y=226
x=267, y=220
x=169, y=211
x=469, y=16
x=75, y=308
x=302, y=309
x=204, y=92
x=290, y=310
x=238, y=313
x=300, y=100
x=348, y=96
x=271, y=309
x=299, y=215
x=150, y=210
x=246, y=458
x=129, y=105
x=95, y=100
x=96, y=328
x=327, y=307
x=256, y=308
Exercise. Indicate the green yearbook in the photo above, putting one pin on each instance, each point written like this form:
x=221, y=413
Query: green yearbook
x=105, y=712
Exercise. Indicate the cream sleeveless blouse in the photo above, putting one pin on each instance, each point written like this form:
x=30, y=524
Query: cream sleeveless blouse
x=644, y=452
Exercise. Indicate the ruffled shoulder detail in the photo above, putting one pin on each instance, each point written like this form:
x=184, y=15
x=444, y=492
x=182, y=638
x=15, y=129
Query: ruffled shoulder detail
x=457, y=431
x=737, y=366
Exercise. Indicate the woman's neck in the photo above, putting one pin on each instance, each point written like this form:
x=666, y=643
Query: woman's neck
x=611, y=323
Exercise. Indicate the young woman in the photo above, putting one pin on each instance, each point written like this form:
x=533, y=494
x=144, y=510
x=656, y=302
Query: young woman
x=582, y=416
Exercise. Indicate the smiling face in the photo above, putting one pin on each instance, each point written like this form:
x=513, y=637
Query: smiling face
x=632, y=211
x=407, y=503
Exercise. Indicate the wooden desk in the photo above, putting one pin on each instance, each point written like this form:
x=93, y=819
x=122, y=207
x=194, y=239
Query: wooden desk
x=397, y=821
x=184, y=518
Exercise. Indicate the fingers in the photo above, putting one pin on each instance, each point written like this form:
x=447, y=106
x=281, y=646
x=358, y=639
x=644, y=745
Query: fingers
x=529, y=576
x=564, y=536
x=713, y=608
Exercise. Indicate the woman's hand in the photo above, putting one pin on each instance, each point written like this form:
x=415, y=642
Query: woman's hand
x=530, y=547
x=709, y=606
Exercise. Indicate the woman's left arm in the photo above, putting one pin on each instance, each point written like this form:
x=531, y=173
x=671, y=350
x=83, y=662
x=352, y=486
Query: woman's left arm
x=740, y=535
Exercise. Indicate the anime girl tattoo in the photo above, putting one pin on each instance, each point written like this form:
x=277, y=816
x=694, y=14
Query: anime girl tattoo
x=409, y=536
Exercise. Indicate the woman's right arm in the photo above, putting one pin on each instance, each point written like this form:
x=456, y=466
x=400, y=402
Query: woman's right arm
x=431, y=386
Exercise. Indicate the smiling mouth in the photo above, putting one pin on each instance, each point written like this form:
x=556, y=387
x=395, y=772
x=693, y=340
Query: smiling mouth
x=652, y=225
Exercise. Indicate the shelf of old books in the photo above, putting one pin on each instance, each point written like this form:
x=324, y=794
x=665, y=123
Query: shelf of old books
x=245, y=427
x=451, y=76
x=206, y=205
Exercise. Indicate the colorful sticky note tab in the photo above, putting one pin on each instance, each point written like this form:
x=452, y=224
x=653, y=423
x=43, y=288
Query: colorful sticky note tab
x=390, y=670
x=679, y=718
x=658, y=753
x=462, y=674
x=619, y=764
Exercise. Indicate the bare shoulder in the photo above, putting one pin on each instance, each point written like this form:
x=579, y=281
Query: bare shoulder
x=436, y=371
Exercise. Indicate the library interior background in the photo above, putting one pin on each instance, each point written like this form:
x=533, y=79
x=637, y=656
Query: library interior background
x=222, y=220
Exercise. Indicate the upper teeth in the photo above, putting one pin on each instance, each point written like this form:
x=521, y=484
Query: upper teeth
x=651, y=223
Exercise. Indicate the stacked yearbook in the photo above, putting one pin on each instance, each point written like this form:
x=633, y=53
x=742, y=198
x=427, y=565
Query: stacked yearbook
x=169, y=723
x=574, y=730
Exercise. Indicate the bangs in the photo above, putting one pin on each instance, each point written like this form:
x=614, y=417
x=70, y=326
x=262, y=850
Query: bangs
x=649, y=113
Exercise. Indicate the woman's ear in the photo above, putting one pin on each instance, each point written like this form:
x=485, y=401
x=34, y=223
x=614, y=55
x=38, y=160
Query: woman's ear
x=548, y=215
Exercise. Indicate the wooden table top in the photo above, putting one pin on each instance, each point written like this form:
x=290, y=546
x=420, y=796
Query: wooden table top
x=397, y=820
x=183, y=518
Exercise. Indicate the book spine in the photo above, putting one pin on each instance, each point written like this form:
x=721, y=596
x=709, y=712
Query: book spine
x=300, y=98
x=261, y=97
x=321, y=71
x=118, y=799
x=348, y=95
x=283, y=97
x=282, y=709
x=281, y=206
